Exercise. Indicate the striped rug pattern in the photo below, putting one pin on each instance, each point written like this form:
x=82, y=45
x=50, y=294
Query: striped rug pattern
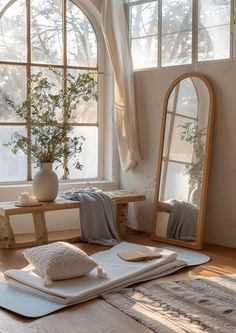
x=201, y=305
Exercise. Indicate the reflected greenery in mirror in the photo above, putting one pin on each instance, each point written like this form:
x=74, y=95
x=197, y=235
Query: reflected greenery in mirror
x=197, y=137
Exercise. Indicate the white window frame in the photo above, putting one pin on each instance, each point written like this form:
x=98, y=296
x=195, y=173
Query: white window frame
x=232, y=53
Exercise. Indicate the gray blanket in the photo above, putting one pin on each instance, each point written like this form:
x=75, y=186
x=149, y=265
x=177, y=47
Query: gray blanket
x=182, y=222
x=97, y=216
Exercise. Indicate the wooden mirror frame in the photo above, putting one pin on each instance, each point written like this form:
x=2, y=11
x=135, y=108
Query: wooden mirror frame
x=209, y=136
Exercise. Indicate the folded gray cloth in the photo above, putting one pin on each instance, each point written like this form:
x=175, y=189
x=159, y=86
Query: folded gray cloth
x=182, y=222
x=97, y=216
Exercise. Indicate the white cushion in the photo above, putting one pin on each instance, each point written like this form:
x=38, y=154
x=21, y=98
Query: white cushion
x=59, y=261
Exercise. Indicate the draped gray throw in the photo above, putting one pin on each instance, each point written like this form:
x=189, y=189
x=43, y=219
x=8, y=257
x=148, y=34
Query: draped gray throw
x=182, y=222
x=97, y=216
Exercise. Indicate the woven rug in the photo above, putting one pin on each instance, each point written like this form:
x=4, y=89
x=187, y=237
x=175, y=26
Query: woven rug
x=201, y=305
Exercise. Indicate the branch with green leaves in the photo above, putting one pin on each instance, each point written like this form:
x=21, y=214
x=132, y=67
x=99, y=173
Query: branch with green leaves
x=49, y=114
x=195, y=136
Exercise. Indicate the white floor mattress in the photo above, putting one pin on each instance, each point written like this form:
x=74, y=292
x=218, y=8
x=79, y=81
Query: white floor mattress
x=44, y=300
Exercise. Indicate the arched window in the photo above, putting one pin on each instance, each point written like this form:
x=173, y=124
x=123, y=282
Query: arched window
x=33, y=36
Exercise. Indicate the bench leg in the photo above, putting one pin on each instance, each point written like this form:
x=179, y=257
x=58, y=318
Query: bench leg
x=41, y=232
x=121, y=217
x=6, y=234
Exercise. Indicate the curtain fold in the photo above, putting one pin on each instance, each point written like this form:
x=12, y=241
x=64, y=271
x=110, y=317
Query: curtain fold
x=115, y=33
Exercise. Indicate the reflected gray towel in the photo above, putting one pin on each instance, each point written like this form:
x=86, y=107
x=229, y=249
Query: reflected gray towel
x=182, y=222
x=97, y=216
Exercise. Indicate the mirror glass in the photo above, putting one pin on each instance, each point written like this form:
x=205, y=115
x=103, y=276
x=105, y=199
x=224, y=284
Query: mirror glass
x=184, y=159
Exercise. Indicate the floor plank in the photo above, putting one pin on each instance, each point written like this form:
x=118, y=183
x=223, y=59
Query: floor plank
x=97, y=315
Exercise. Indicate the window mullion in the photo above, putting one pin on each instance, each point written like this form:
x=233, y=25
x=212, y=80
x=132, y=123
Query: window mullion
x=65, y=176
x=176, y=161
x=233, y=30
x=28, y=74
x=195, y=32
x=36, y=64
x=159, y=37
x=138, y=2
x=64, y=34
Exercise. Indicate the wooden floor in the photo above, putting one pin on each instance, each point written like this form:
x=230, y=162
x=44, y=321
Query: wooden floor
x=98, y=316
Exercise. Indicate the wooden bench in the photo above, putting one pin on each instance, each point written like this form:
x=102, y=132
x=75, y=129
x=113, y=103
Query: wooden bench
x=7, y=209
x=164, y=206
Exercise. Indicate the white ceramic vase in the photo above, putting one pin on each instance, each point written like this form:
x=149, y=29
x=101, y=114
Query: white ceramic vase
x=45, y=183
x=195, y=195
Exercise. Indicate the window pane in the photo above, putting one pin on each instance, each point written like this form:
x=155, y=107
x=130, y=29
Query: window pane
x=46, y=31
x=55, y=79
x=86, y=111
x=89, y=155
x=214, y=43
x=144, y=52
x=13, y=30
x=166, y=137
x=177, y=186
x=13, y=86
x=213, y=29
x=171, y=101
x=144, y=19
x=177, y=49
x=187, y=102
x=81, y=38
x=176, y=16
x=12, y=167
x=213, y=13
x=180, y=150
x=162, y=185
x=176, y=32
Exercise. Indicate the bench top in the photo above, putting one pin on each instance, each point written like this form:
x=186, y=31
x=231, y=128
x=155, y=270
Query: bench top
x=119, y=197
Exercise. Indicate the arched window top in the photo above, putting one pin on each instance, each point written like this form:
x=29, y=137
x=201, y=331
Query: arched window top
x=46, y=32
x=83, y=37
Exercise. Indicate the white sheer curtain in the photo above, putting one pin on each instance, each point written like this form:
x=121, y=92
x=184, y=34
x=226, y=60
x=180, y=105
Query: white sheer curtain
x=116, y=38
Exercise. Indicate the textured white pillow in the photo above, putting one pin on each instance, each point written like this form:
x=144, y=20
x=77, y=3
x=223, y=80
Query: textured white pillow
x=59, y=261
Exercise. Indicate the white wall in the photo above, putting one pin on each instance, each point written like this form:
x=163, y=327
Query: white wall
x=151, y=86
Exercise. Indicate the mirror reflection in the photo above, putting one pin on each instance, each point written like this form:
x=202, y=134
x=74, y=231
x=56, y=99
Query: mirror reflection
x=183, y=160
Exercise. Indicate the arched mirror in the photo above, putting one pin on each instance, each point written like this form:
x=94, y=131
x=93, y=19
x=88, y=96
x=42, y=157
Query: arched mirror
x=182, y=173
